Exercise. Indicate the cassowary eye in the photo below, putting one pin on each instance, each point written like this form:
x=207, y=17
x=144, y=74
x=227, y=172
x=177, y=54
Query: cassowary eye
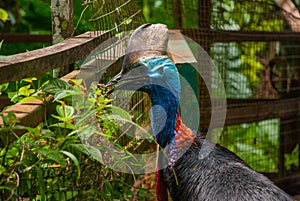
x=160, y=71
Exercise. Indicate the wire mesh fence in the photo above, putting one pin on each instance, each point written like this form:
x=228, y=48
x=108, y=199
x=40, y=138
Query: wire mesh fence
x=255, y=46
x=53, y=182
x=256, y=49
x=60, y=183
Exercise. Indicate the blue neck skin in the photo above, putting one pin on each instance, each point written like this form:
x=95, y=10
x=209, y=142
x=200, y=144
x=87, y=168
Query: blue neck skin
x=163, y=89
x=163, y=114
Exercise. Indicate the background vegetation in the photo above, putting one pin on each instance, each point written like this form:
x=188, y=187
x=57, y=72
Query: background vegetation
x=55, y=143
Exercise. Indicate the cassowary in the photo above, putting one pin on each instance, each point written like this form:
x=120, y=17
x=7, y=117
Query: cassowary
x=188, y=175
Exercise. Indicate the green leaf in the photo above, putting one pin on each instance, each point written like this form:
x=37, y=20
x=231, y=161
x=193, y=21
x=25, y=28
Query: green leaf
x=71, y=194
x=63, y=125
x=119, y=111
x=91, y=151
x=2, y=169
x=30, y=80
x=143, y=193
x=128, y=126
x=3, y=87
x=25, y=91
x=60, y=94
x=75, y=161
x=63, y=119
x=30, y=98
x=85, y=118
x=3, y=15
x=53, y=155
x=41, y=182
x=127, y=21
x=76, y=81
x=54, y=85
x=65, y=112
x=59, y=83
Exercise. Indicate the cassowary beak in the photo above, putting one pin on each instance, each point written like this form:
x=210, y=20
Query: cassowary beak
x=133, y=80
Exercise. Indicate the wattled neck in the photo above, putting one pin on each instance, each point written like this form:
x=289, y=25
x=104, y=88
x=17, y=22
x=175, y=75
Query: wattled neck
x=163, y=89
x=164, y=113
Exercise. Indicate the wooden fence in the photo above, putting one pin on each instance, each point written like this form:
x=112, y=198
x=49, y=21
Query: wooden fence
x=36, y=63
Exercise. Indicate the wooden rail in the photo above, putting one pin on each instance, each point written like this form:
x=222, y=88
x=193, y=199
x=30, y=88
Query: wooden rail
x=37, y=62
x=247, y=111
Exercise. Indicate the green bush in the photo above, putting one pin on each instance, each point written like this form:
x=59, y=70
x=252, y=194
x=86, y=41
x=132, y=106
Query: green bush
x=52, y=161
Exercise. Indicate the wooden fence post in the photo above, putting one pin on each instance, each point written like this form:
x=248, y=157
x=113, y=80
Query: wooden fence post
x=204, y=22
x=62, y=26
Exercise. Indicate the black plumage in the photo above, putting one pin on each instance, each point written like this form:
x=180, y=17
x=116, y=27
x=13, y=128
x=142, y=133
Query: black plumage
x=220, y=176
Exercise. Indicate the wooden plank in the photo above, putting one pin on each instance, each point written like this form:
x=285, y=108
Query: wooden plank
x=29, y=113
x=199, y=35
x=241, y=111
x=37, y=62
x=258, y=110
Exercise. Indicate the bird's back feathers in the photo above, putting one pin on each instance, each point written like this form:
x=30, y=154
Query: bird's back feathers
x=220, y=176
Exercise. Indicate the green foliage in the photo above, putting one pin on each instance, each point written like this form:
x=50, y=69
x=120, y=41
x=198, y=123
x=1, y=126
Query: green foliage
x=239, y=15
x=25, y=16
x=256, y=143
x=291, y=159
x=154, y=11
x=23, y=90
x=3, y=15
x=241, y=60
x=34, y=17
x=38, y=163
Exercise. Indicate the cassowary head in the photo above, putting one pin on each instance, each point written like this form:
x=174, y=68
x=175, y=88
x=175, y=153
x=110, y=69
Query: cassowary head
x=147, y=68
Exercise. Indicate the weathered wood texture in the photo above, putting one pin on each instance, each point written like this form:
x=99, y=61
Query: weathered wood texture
x=37, y=62
x=62, y=27
x=258, y=110
x=62, y=19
